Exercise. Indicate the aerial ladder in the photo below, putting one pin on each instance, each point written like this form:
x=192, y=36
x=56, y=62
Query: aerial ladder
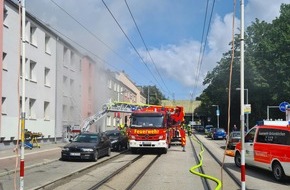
x=123, y=107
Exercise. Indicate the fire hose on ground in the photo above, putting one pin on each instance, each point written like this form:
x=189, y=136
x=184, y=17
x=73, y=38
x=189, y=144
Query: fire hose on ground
x=192, y=169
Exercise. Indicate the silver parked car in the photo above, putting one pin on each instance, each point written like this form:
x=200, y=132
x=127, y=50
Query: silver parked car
x=234, y=138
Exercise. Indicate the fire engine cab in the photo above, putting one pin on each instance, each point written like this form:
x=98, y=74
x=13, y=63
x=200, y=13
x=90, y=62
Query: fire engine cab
x=156, y=127
x=267, y=145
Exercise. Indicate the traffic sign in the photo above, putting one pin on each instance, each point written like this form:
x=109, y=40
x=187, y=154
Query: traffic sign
x=283, y=106
x=247, y=108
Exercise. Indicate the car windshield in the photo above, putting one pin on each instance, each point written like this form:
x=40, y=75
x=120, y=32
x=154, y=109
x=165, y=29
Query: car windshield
x=147, y=121
x=220, y=130
x=208, y=127
x=113, y=134
x=88, y=138
x=236, y=134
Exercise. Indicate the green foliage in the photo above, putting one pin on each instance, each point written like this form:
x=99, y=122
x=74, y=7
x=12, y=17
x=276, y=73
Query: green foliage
x=154, y=94
x=267, y=63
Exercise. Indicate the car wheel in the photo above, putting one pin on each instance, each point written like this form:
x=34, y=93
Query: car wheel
x=238, y=159
x=63, y=159
x=127, y=146
x=119, y=148
x=95, y=156
x=278, y=171
x=109, y=152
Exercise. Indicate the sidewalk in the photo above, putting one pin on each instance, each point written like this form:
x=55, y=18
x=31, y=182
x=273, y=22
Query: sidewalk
x=43, y=146
x=32, y=156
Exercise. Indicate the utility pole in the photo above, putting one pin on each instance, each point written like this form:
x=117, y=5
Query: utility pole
x=242, y=116
x=21, y=180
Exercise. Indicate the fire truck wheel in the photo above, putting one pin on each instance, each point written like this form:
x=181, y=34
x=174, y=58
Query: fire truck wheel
x=165, y=150
x=134, y=150
x=278, y=171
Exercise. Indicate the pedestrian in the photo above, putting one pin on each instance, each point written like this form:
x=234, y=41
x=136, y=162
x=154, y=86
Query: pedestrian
x=235, y=128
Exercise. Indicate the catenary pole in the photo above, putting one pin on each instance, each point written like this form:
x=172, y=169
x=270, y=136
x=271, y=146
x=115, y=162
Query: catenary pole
x=21, y=180
x=242, y=117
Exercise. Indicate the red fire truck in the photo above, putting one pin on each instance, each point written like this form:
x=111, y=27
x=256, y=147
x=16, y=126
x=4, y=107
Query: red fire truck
x=151, y=126
x=156, y=127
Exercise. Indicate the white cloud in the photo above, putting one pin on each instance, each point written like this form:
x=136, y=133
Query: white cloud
x=176, y=61
x=266, y=10
x=182, y=58
x=174, y=51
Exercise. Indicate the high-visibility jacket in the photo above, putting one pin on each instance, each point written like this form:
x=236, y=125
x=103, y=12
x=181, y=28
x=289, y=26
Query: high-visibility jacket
x=183, y=139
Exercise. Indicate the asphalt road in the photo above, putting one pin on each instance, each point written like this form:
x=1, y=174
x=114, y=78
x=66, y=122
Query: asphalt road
x=170, y=172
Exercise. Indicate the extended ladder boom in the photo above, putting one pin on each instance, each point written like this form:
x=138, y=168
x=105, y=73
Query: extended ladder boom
x=94, y=118
x=123, y=107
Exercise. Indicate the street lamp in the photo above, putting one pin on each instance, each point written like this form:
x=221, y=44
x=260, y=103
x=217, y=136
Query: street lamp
x=217, y=114
x=247, y=102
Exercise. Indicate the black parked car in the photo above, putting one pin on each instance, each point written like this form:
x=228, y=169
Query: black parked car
x=87, y=146
x=118, y=139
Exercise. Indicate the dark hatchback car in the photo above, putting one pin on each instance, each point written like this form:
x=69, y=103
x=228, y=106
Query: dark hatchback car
x=87, y=146
x=118, y=139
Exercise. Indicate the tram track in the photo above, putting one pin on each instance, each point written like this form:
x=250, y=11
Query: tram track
x=76, y=174
x=201, y=170
x=106, y=173
x=140, y=170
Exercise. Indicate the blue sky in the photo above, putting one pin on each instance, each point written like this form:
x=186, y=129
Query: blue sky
x=171, y=30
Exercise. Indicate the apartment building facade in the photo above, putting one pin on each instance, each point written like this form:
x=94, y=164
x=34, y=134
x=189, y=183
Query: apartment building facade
x=62, y=86
x=52, y=78
x=39, y=76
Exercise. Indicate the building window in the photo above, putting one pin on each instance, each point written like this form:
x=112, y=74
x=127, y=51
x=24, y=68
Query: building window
x=47, y=44
x=4, y=106
x=33, y=38
x=72, y=60
x=65, y=112
x=46, y=110
x=109, y=121
x=65, y=56
x=72, y=88
x=71, y=111
x=20, y=104
x=46, y=76
x=4, y=63
x=5, y=14
x=90, y=93
x=65, y=85
x=110, y=84
x=26, y=74
x=32, y=109
x=32, y=71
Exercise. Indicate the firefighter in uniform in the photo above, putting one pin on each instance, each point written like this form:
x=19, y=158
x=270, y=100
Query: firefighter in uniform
x=183, y=139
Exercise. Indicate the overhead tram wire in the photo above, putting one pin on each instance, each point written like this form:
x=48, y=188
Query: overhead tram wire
x=132, y=44
x=96, y=37
x=146, y=46
x=202, y=49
